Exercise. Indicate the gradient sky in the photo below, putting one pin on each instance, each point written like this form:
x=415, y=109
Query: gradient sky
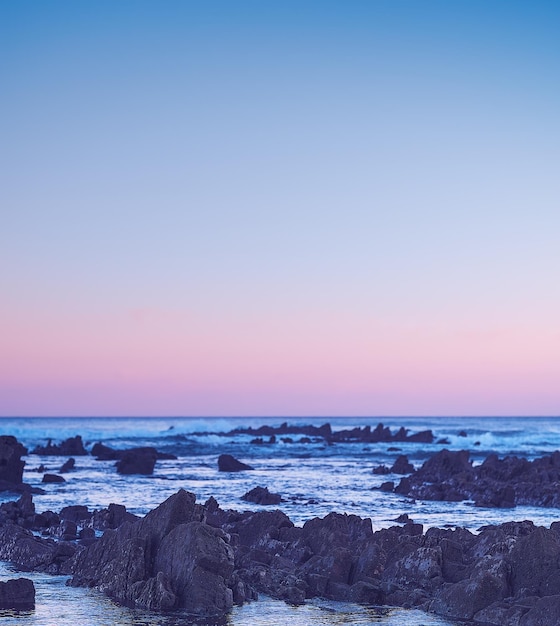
x=280, y=208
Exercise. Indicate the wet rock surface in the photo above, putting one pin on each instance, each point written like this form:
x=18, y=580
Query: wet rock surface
x=204, y=559
x=496, y=482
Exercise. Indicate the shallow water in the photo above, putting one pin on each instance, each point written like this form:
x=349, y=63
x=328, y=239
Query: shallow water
x=314, y=479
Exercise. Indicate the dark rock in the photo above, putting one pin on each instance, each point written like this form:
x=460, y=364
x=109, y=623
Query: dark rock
x=381, y=470
x=444, y=441
x=75, y=513
x=494, y=483
x=137, y=461
x=17, y=594
x=353, y=435
x=261, y=495
x=387, y=486
x=168, y=559
x=11, y=465
x=403, y=518
x=68, y=465
x=28, y=552
x=112, y=517
x=462, y=433
x=402, y=466
x=105, y=453
x=228, y=463
x=53, y=478
x=73, y=446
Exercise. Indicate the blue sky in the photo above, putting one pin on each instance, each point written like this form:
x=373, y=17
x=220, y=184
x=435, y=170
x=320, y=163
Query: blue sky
x=383, y=171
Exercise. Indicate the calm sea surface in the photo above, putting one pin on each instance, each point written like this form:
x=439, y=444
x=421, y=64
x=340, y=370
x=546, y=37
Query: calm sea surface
x=314, y=479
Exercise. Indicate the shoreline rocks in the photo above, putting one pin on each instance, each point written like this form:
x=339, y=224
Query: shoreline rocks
x=204, y=559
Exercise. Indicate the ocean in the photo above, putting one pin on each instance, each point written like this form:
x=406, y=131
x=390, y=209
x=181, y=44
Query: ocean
x=313, y=479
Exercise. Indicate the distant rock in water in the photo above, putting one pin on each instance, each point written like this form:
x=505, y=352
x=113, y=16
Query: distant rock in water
x=400, y=466
x=137, y=461
x=53, y=478
x=68, y=465
x=261, y=495
x=354, y=435
x=73, y=446
x=228, y=463
x=496, y=482
x=106, y=453
x=11, y=465
x=17, y=594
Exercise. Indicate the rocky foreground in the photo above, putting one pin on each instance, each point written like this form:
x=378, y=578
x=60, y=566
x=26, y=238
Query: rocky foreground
x=203, y=559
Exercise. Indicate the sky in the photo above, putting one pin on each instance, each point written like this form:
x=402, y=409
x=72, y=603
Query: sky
x=311, y=208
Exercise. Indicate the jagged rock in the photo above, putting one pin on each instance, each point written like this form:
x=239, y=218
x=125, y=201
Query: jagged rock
x=402, y=465
x=168, y=559
x=73, y=446
x=11, y=465
x=68, y=465
x=494, y=483
x=228, y=463
x=18, y=594
x=29, y=552
x=137, y=461
x=261, y=495
x=113, y=516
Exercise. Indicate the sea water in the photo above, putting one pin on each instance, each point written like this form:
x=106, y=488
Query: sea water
x=313, y=479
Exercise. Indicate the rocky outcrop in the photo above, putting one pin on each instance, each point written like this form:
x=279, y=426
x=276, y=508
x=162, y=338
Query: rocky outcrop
x=73, y=446
x=68, y=465
x=495, y=483
x=400, y=466
x=17, y=594
x=261, y=495
x=137, y=461
x=169, y=559
x=11, y=465
x=353, y=435
x=228, y=463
